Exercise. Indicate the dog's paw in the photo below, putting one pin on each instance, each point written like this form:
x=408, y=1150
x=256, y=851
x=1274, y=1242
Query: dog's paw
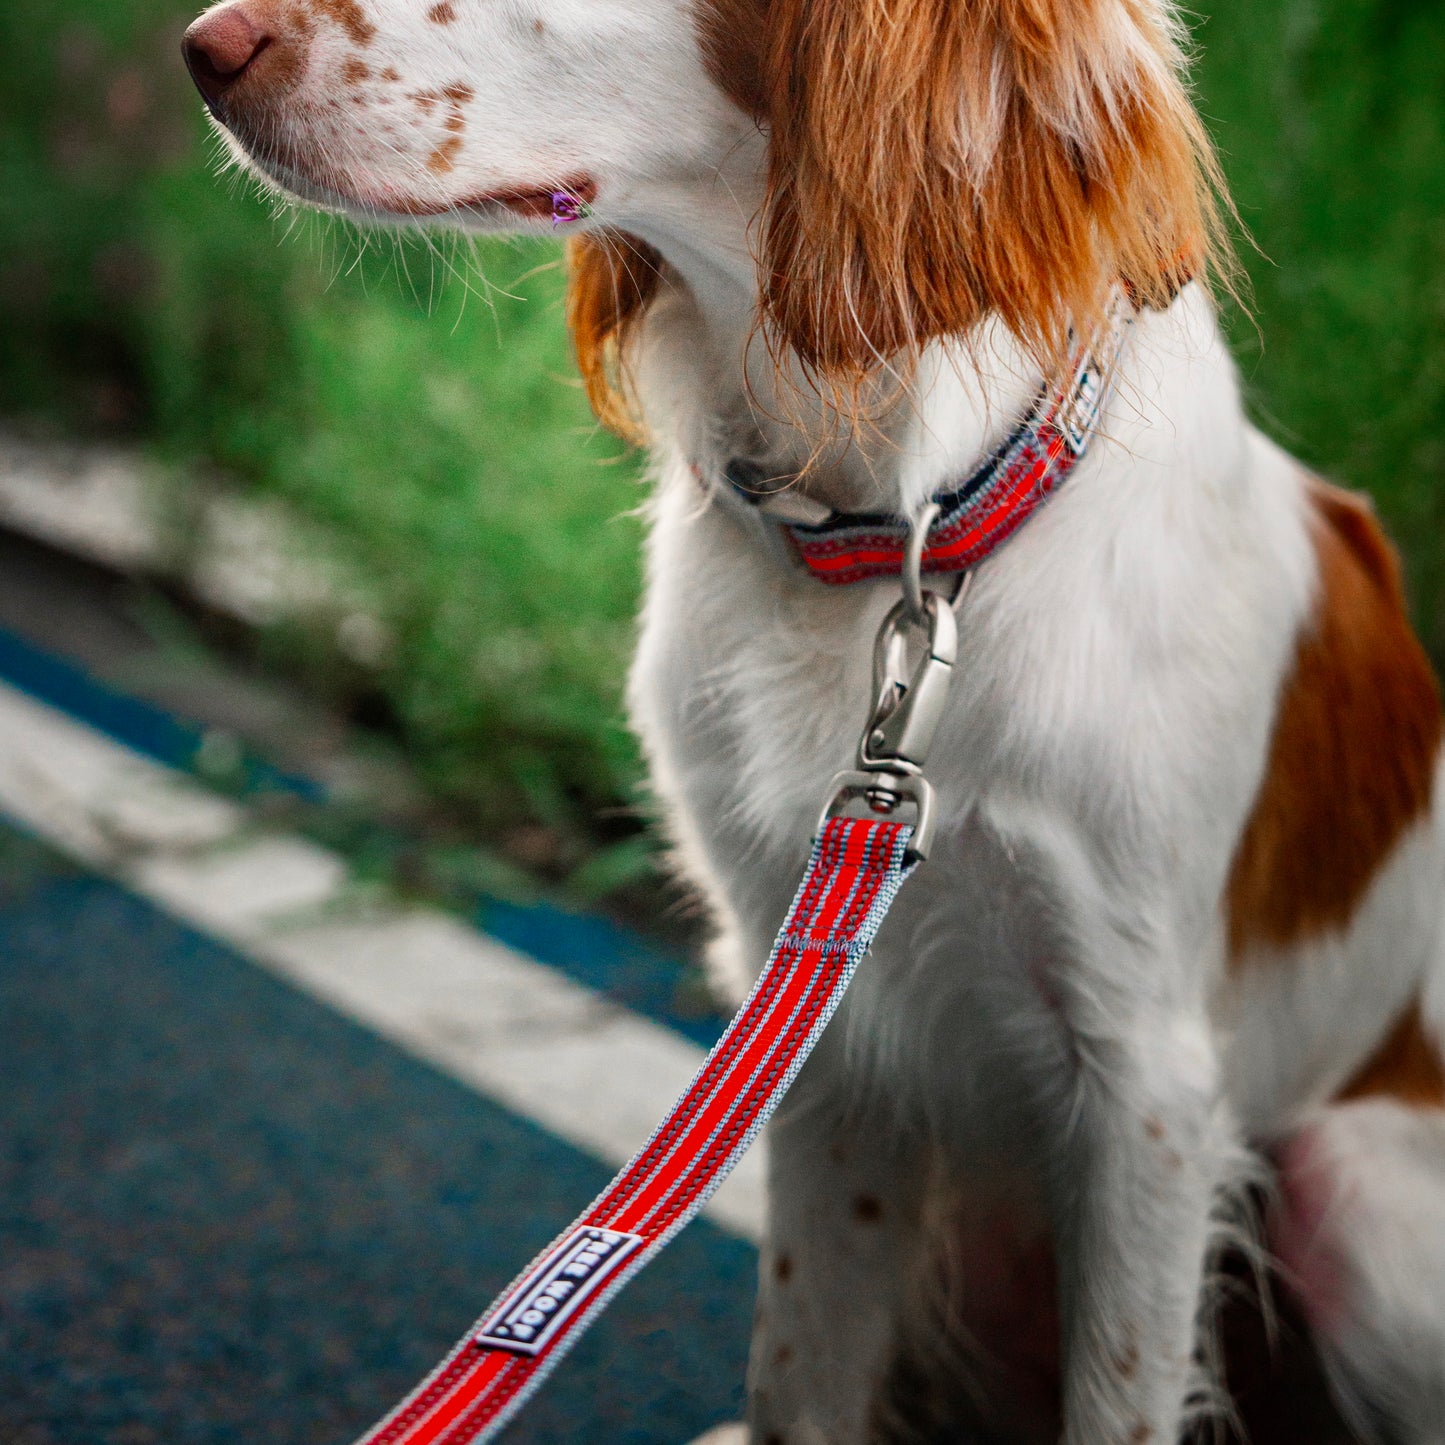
x=724, y=1435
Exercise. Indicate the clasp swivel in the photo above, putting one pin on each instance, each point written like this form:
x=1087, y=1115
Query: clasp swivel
x=908, y=705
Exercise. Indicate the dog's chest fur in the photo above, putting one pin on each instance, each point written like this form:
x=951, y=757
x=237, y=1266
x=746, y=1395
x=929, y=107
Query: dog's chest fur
x=1118, y=667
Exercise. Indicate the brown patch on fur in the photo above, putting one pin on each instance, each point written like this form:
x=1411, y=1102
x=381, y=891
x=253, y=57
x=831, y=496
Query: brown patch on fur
x=350, y=16
x=455, y=96
x=867, y=1209
x=932, y=163
x=1154, y=1128
x=539, y=27
x=783, y=1268
x=1352, y=760
x=612, y=279
x=774, y=1437
x=444, y=157
x=1407, y=1066
x=730, y=34
x=1141, y=1434
x=456, y=122
x=443, y=13
x=355, y=71
x=391, y=75
x=783, y=1355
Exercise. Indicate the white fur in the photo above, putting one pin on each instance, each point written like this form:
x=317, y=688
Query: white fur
x=1048, y=1005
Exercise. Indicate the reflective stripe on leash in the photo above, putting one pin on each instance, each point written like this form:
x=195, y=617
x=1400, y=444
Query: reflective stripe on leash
x=855, y=871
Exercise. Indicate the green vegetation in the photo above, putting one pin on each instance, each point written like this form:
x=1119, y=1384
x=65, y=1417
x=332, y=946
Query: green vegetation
x=439, y=436
x=431, y=423
x=1330, y=115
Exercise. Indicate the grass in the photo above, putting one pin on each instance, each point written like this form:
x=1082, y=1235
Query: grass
x=431, y=423
x=433, y=427
x=1330, y=119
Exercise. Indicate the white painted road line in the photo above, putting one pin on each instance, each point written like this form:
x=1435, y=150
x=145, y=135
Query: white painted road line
x=523, y=1034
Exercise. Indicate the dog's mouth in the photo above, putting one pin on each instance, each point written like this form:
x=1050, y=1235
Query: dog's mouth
x=567, y=200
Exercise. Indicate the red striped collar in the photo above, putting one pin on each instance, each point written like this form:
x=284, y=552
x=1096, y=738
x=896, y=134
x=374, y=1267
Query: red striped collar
x=975, y=519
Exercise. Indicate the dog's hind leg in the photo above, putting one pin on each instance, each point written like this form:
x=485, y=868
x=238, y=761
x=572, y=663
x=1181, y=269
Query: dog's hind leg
x=1360, y=1231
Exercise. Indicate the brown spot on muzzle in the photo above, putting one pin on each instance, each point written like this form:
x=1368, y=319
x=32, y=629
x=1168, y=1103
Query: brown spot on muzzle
x=444, y=157
x=442, y=14
x=355, y=71
x=350, y=16
x=456, y=96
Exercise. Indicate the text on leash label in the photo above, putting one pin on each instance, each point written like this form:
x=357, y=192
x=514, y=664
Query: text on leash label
x=528, y=1319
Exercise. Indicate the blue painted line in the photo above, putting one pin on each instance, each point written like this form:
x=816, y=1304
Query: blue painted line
x=610, y=959
x=147, y=729
x=229, y=1215
x=595, y=951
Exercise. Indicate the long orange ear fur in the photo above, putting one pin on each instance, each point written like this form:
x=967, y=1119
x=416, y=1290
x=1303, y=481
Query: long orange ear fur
x=611, y=280
x=934, y=161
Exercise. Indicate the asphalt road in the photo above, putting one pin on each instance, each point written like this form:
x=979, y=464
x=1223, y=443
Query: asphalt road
x=229, y=1215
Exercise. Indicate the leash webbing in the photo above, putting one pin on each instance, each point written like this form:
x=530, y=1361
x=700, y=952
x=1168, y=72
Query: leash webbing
x=856, y=869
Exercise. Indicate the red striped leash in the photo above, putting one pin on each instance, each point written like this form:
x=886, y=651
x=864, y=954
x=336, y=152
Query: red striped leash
x=857, y=866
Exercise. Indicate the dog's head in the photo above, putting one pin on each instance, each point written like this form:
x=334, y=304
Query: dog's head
x=927, y=162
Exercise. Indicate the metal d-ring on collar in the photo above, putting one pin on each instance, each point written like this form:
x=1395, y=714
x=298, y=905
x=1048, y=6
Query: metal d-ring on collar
x=912, y=573
x=908, y=703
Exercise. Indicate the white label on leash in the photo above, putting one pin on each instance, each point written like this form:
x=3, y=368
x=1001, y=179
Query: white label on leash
x=528, y=1319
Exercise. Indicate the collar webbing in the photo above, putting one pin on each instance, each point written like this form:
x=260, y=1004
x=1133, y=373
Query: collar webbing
x=976, y=519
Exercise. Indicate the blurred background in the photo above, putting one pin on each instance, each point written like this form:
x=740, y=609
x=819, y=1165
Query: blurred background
x=334, y=508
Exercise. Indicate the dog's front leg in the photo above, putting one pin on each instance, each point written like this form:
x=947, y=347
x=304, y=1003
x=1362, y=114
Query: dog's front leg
x=842, y=1221
x=1136, y=1147
x=1133, y=1205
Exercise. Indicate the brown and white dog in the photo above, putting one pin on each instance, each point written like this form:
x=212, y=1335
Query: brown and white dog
x=1182, y=930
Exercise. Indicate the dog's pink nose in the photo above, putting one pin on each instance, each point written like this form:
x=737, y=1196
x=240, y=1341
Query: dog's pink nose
x=220, y=48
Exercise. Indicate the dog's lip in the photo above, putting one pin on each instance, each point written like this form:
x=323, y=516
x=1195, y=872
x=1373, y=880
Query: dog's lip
x=534, y=202
x=531, y=202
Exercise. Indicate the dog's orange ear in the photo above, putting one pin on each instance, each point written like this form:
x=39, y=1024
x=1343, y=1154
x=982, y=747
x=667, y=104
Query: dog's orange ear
x=611, y=279
x=933, y=161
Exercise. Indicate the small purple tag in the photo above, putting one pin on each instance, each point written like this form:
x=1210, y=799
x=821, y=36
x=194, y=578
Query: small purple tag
x=567, y=208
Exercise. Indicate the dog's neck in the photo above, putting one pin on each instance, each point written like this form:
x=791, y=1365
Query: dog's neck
x=713, y=388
